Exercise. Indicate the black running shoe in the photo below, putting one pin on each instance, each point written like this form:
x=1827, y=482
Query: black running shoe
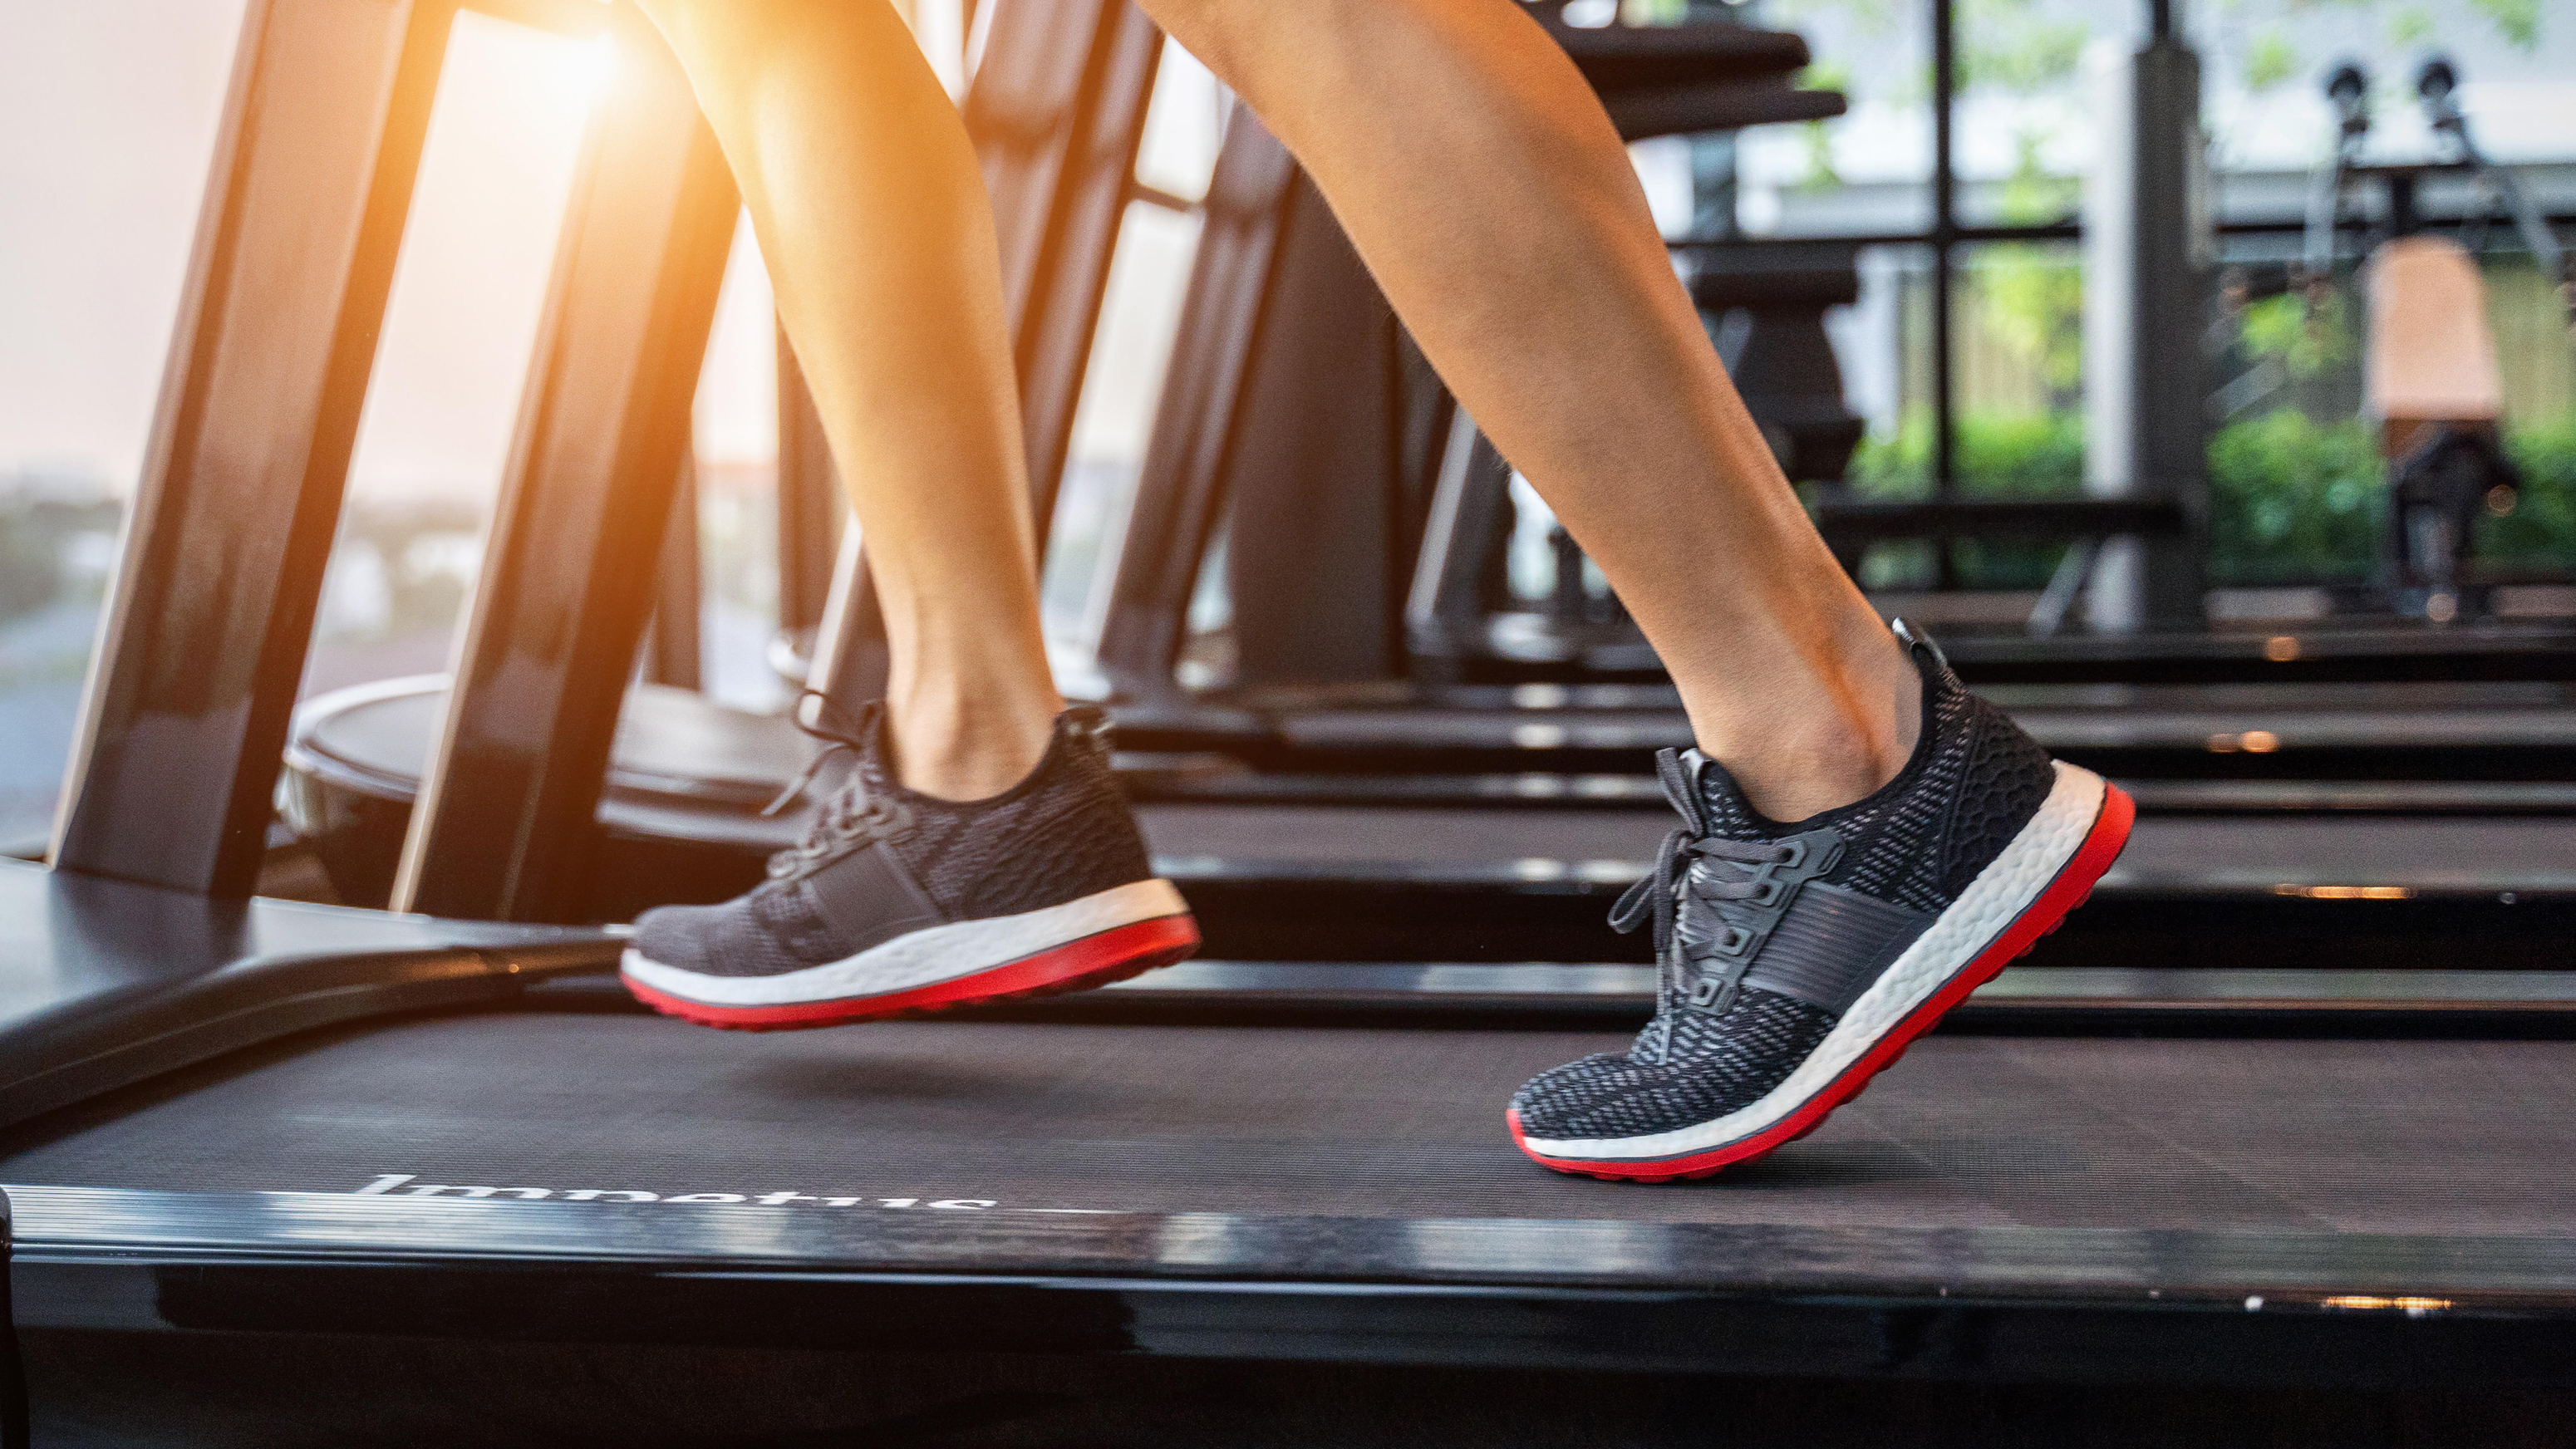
x=1796, y=961
x=897, y=903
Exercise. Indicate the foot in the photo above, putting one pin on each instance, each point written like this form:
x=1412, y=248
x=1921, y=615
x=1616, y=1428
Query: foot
x=1796, y=961
x=897, y=903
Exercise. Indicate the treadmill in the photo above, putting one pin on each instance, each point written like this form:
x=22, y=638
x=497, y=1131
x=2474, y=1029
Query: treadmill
x=285, y=1173
x=377, y=1179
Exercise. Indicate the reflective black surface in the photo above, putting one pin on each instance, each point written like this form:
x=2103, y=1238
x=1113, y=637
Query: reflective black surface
x=232, y=525
x=2293, y=1271
x=2360, y=1213
x=504, y=828
x=689, y=776
x=2007, y=1303
x=104, y=982
x=1057, y=110
x=1260, y=1119
x=2075, y=1000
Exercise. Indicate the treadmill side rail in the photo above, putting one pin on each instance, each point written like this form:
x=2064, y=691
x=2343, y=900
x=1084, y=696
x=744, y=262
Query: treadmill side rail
x=503, y=828
x=233, y=518
x=103, y=983
x=1994, y=1304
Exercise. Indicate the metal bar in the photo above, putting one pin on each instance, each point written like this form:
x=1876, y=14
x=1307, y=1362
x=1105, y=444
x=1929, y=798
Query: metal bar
x=2040, y=231
x=2069, y=230
x=1981, y=1304
x=1157, y=196
x=204, y=641
x=811, y=509
x=1182, y=491
x=2052, y=518
x=671, y=654
x=1058, y=145
x=1057, y=111
x=1311, y=474
x=505, y=827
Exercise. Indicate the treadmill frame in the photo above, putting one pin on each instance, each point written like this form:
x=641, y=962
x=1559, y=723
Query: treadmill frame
x=1995, y=1304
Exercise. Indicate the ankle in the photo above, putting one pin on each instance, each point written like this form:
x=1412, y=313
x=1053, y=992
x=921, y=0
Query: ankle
x=1822, y=740
x=962, y=750
x=1794, y=775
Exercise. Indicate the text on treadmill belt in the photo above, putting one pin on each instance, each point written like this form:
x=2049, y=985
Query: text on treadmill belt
x=405, y=1184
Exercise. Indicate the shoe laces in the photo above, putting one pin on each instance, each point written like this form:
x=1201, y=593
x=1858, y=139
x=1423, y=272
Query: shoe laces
x=1735, y=879
x=851, y=816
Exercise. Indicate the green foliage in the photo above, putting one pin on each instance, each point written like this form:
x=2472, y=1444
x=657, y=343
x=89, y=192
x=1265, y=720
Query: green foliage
x=1816, y=143
x=2305, y=340
x=1868, y=17
x=2007, y=45
x=1653, y=12
x=1996, y=457
x=2411, y=28
x=2269, y=61
x=2032, y=296
x=2541, y=531
x=2034, y=306
x=1814, y=138
x=2292, y=500
x=2518, y=21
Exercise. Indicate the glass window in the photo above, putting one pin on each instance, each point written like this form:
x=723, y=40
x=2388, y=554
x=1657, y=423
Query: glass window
x=108, y=115
x=1139, y=318
x=460, y=331
x=1866, y=172
x=2297, y=478
x=736, y=440
x=2295, y=474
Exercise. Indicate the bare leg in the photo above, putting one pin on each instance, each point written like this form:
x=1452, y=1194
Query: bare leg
x=1481, y=181
x=872, y=214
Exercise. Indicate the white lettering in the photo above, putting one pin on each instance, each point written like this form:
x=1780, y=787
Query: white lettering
x=405, y=1184
x=433, y=1189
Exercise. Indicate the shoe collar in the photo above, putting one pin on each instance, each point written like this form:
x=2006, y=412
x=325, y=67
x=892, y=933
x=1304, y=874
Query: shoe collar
x=1723, y=806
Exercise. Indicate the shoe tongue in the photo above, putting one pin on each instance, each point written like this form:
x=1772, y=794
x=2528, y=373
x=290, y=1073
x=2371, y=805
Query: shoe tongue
x=874, y=771
x=1728, y=814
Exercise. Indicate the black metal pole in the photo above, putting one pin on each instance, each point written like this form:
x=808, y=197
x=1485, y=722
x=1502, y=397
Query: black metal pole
x=1945, y=235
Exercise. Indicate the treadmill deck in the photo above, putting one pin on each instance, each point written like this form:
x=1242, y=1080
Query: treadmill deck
x=2466, y=1138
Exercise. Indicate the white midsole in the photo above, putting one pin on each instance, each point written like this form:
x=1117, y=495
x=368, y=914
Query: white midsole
x=922, y=958
x=1985, y=910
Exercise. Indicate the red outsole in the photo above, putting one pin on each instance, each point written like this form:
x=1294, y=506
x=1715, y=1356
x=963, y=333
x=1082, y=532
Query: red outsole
x=1112, y=955
x=2074, y=882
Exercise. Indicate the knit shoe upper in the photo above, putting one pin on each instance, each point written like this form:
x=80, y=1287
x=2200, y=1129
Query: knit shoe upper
x=1768, y=934
x=890, y=889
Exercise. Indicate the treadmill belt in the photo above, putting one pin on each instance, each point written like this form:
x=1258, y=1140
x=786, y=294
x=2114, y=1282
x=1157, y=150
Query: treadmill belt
x=2356, y=1136
x=2440, y=852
